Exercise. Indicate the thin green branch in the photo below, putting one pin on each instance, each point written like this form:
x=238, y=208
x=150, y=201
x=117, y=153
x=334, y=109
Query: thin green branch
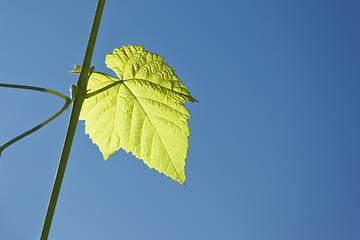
x=66, y=105
x=36, y=89
x=74, y=118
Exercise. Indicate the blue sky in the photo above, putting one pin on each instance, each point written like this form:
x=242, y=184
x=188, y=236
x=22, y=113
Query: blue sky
x=274, y=151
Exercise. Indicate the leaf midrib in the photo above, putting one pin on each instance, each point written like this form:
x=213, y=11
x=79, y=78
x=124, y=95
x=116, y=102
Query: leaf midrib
x=146, y=114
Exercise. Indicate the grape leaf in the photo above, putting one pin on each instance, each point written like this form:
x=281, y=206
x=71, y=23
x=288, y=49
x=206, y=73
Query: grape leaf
x=142, y=112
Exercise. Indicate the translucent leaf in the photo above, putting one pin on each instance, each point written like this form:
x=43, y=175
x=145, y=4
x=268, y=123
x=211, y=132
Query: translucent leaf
x=141, y=112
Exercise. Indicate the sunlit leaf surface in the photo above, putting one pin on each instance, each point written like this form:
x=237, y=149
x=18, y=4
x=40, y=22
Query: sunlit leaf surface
x=141, y=111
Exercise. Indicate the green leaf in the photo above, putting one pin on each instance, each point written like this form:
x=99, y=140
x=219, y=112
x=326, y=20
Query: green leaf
x=142, y=113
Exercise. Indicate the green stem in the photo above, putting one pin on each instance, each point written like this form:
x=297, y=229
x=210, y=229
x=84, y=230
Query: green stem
x=66, y=105
x=36, y=89
x=74, y=118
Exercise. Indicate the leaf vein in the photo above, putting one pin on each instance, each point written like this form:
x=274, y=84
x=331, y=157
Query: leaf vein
x=162, y=143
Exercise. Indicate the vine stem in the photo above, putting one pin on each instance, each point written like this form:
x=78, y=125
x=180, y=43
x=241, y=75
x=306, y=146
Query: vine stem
x=74, y=118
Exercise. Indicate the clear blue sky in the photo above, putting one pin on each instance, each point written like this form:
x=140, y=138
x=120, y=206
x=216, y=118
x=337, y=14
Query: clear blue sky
x=275, y=146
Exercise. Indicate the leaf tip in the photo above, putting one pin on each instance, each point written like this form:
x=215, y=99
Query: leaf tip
x=182, y=180
x=105, y=156
x=194, y=100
